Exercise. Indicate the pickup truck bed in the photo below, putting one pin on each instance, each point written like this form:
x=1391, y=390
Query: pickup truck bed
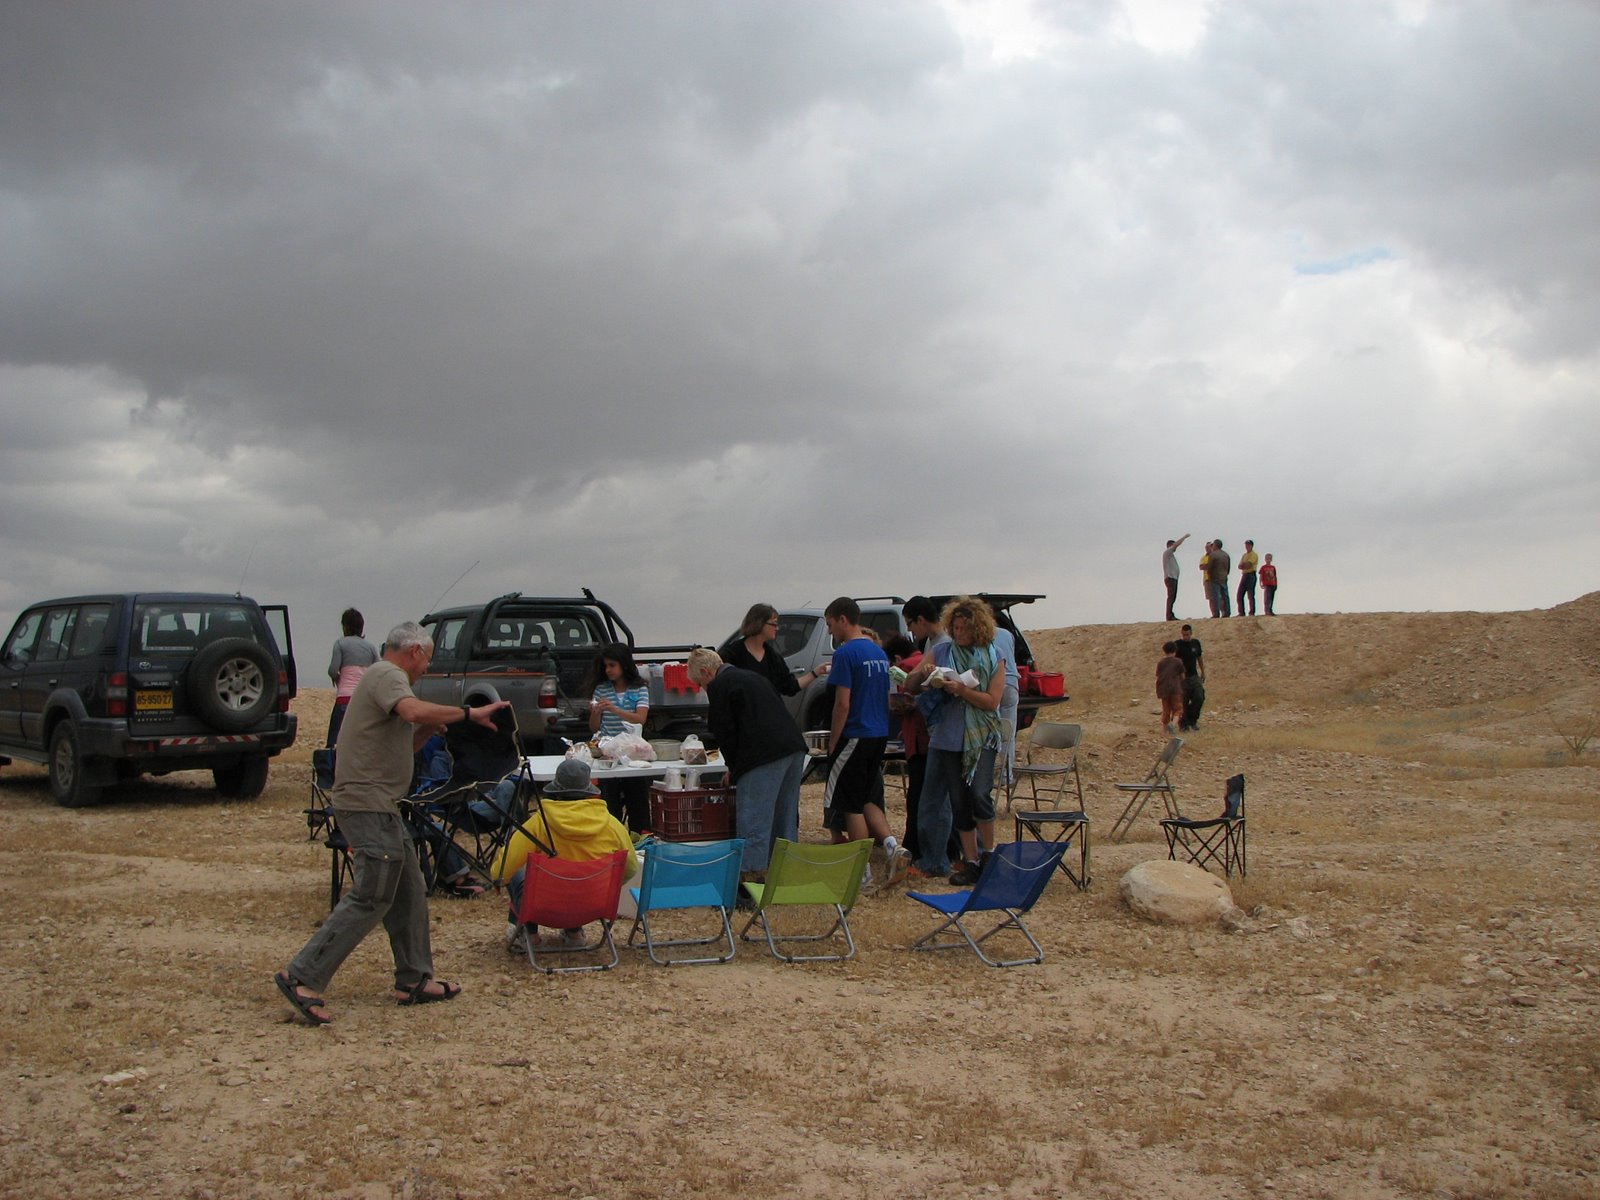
x=536, y=651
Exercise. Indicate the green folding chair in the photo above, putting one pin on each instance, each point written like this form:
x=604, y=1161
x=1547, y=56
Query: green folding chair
x=806, y=875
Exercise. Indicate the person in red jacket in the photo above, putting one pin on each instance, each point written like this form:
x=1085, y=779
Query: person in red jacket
x=1269, y=583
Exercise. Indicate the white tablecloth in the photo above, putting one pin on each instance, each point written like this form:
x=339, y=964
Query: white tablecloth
x=543, y=768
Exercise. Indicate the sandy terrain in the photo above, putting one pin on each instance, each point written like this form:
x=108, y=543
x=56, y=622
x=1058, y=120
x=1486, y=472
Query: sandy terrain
x=1415, y=1014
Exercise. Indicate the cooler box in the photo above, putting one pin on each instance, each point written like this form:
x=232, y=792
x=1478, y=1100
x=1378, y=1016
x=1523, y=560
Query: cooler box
x=691, y=814
x=1048, y=683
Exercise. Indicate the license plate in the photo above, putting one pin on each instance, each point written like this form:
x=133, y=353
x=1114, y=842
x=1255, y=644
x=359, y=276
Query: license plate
x=153, y=701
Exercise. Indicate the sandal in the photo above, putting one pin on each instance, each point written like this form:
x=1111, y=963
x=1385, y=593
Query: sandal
x=462, y=889
x=306, y=1006
x=420, y=994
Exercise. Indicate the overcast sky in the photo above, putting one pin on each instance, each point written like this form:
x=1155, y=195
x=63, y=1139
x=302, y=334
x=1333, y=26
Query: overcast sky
x=699, y=304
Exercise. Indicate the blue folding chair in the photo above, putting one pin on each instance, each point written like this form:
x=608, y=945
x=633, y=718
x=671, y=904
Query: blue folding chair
x=682, y=875
x=1012, y=880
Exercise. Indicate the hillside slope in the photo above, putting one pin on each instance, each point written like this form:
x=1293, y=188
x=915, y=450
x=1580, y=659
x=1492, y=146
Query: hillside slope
x=1545, y=658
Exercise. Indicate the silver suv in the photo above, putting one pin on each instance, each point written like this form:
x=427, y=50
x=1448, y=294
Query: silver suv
x=101, y=689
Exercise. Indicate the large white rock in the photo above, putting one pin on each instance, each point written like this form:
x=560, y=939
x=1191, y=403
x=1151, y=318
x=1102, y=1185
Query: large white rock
x=1175, y=893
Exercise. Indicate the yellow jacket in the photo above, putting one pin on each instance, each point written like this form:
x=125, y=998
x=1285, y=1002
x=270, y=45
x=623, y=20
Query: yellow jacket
x=578, y=830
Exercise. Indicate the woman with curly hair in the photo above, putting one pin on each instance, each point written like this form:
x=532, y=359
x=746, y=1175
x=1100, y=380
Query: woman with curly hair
x=965, y=733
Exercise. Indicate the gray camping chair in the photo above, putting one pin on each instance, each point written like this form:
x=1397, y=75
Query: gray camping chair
x=1156, y=782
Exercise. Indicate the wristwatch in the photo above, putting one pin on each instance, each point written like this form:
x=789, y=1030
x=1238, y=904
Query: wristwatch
x=466, y=711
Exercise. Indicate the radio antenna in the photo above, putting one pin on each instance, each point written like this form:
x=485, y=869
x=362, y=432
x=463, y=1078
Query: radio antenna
x=246, y=570
x=457, y=580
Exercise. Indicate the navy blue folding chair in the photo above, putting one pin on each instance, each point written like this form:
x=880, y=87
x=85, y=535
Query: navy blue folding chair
x=688, y=875
x=1011, y=881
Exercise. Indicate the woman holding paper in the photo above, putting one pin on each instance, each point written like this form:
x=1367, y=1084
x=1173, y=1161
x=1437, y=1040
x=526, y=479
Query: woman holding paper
x=960, y=684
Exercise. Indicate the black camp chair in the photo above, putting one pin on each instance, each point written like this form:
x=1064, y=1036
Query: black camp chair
x=1219, y=841
x=460, y=825
x=320, y=820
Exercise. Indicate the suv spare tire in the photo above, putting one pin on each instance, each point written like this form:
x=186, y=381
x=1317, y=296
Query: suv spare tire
x=233, y=684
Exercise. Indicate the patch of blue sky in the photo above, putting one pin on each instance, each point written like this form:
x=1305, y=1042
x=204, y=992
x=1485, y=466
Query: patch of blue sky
x=1353, y=261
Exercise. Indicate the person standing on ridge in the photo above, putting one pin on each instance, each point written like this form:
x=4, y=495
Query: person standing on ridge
x=1169, y=568
x=1269, y=584
x=1247, y=579
x=1221, y=564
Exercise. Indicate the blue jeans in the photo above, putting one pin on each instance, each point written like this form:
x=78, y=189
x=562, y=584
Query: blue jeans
x=1247, y=591
x=950, y=801
x=1221, y=602
x=768, y=800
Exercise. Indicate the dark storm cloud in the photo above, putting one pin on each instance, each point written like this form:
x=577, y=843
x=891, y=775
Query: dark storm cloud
x=817, y=295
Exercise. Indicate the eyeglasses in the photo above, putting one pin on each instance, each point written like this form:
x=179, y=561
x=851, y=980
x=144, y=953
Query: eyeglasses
x=773, y=622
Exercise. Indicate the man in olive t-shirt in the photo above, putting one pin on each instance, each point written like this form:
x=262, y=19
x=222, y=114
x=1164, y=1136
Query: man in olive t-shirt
x=383, y=728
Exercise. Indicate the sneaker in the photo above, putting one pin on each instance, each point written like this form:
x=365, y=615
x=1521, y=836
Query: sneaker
x=513, y=938
x=966, y=875
x=869, y=881
x=896, y=869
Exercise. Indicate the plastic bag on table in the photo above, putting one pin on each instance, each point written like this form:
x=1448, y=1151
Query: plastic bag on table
x=627, y=746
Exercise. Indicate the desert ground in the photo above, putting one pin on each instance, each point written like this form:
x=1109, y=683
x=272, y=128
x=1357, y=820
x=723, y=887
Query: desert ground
x=1412, y=1011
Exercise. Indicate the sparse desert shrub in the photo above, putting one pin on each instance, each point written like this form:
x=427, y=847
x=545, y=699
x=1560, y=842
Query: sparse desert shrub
x=1577, y=733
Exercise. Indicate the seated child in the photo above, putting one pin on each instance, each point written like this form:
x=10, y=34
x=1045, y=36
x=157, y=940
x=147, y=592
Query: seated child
x=573, y=821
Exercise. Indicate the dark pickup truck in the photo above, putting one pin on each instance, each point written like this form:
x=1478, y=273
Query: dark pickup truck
x=536, y=652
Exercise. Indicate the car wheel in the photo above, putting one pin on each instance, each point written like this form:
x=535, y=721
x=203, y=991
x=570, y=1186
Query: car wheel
x=245, y=780
x=233, y=684
x=67, y=782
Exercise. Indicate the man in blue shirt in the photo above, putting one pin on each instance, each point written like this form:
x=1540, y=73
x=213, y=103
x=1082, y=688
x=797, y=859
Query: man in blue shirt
x=853, y=802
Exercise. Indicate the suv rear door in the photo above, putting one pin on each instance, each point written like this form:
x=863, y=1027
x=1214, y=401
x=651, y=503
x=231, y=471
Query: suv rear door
x=277, y=616
x=166, y=637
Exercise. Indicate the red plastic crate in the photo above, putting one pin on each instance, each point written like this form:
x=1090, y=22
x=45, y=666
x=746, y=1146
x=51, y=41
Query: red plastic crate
x=1049, y=683
x=691, y=814
x=675, y=678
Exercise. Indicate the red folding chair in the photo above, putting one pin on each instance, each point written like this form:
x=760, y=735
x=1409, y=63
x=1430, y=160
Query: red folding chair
x=562, y=894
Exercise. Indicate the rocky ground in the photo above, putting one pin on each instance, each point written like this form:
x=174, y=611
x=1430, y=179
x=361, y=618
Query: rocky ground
x=1412, y=1012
